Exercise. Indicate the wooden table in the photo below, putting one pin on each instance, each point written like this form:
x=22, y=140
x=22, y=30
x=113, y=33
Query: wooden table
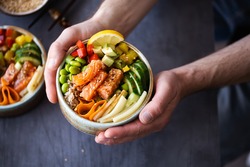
x=175, y=32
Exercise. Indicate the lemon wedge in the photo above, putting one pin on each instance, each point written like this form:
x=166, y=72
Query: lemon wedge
x=106, y=37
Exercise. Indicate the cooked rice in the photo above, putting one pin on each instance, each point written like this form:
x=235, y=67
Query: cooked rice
x=19, y=6
x=72, y=95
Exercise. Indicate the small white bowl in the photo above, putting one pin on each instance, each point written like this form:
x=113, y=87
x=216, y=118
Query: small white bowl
x=91, y=127
x=31, y=99
x=4, y=3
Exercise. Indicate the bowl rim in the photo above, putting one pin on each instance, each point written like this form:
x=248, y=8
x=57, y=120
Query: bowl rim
x=24, y=13
x=98, y=125
x=39, y=87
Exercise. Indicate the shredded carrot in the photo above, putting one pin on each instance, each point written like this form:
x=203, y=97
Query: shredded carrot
x=82, y=108
x=98, y=105
x=104, y=108
x=91, y=117
x=8, y=95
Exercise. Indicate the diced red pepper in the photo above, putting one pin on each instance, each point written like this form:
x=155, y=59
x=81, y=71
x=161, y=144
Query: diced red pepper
x=2, y=40
x=90, y=49
x=74, y=54
x=93, y=57
x=9, y=32
x=79, y=44
x=81, y=52
x=9, y=41
x=1, y=31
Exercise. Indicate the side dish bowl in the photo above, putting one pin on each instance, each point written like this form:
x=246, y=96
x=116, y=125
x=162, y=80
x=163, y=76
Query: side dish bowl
x=28, y=95
x=21, y=7
x=92, y=127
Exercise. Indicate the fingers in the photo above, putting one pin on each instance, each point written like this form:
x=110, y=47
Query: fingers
x=155, y=115
x=164, y=95
x=55, y=56
x=58, y=49
x=122, y=134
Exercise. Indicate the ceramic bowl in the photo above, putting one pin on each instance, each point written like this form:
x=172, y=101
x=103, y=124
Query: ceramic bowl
x=90, y=127
x=12, y=7
x=30, y=99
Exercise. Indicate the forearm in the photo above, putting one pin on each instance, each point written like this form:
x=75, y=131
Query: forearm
x=122, y=15
x=230, y=65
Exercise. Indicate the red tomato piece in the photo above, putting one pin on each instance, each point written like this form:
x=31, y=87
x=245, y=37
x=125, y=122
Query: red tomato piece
x=79, y=44
x=93, y=57
x=81, y=52
x=90, y=49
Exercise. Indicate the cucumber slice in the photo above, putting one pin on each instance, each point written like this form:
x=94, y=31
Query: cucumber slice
x=27, y=52
x=137, y=70
x=33, y=59
x=128, y=112
x=116, y=110
x=137, y=82
x=132, y=98
x=131, y=84
x=32, y=46
x=143, y=70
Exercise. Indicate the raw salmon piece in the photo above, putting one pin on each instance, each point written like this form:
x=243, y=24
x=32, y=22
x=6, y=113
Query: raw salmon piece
x=89, y=91
x=86, y=76
x=110, y=84
x=24, y=76
x=10, y=74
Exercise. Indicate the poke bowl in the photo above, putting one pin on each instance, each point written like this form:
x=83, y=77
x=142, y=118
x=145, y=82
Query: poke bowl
x=21, y=7
x=103, y=82
x=22, y=61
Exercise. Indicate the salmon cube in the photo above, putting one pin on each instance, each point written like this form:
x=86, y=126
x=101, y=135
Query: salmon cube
x=24, y=76
x=111, y=83
x=89, y=91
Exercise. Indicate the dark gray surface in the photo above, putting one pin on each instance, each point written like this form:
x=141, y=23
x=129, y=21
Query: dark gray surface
x=174, y=33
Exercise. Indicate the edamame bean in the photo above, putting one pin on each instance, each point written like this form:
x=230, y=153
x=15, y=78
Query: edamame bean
x=75, y=63
x=70, y=77
x=82, y=61
x=65, y=87
x=74, y=70
x=84, y=68
x=63, y=72
x=63, y=79
x=69, y=58
x=67, y=67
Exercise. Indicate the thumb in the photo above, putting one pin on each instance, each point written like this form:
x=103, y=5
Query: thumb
x=165, y=93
